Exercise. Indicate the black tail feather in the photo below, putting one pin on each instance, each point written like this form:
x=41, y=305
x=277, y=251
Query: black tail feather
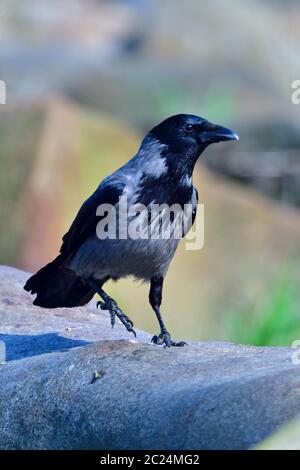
x=57, y=286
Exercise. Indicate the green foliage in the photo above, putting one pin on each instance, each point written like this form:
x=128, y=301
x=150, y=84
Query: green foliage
x=214, y=104
x=274, y=321
x=217, y=105
x=287, y=437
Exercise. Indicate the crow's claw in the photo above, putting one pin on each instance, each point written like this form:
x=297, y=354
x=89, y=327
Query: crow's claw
x=165, y=339
x=132, y=331
x=102, y=305
x=114, y=311
x=126, y=321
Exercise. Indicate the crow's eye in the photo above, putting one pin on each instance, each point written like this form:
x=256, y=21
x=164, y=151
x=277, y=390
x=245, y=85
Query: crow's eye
x=189, y=128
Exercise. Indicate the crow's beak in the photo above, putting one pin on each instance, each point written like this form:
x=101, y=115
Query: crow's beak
x=215, y=133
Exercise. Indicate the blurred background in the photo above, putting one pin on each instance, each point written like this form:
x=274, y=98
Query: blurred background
x=86, y=78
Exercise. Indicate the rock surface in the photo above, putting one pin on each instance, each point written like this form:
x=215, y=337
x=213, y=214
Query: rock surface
x=28, y=330
x=119, y=394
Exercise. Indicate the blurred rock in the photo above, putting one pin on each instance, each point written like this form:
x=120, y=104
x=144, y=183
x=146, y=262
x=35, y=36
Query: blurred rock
x=20, y=132
x=267, y=158
x=122, y=394
x=45, y=174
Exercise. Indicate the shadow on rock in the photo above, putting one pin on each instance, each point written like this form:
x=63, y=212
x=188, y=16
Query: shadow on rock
x=20, y=346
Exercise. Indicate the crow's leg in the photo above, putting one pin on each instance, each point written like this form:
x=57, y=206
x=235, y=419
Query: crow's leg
x=112, y=306
x=155, y=297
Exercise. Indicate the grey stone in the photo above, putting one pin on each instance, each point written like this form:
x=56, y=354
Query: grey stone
x=28, y=330
x=120, y=394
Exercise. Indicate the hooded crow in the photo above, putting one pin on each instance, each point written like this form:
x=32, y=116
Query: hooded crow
x=98, y=247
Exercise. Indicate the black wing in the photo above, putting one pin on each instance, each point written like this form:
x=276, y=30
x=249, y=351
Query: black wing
x=59, y=287
x=85, y=222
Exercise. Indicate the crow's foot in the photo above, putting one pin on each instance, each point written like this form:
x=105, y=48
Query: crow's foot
x=114, y=310
x=165, y=339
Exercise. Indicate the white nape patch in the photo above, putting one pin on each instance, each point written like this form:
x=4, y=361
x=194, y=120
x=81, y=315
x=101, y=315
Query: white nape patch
x=148, y=161
x=151, y=161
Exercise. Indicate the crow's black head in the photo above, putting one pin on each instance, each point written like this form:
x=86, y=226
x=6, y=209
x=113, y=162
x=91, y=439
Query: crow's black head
x=184, y=130
x=177, y=142
x=185, y=137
